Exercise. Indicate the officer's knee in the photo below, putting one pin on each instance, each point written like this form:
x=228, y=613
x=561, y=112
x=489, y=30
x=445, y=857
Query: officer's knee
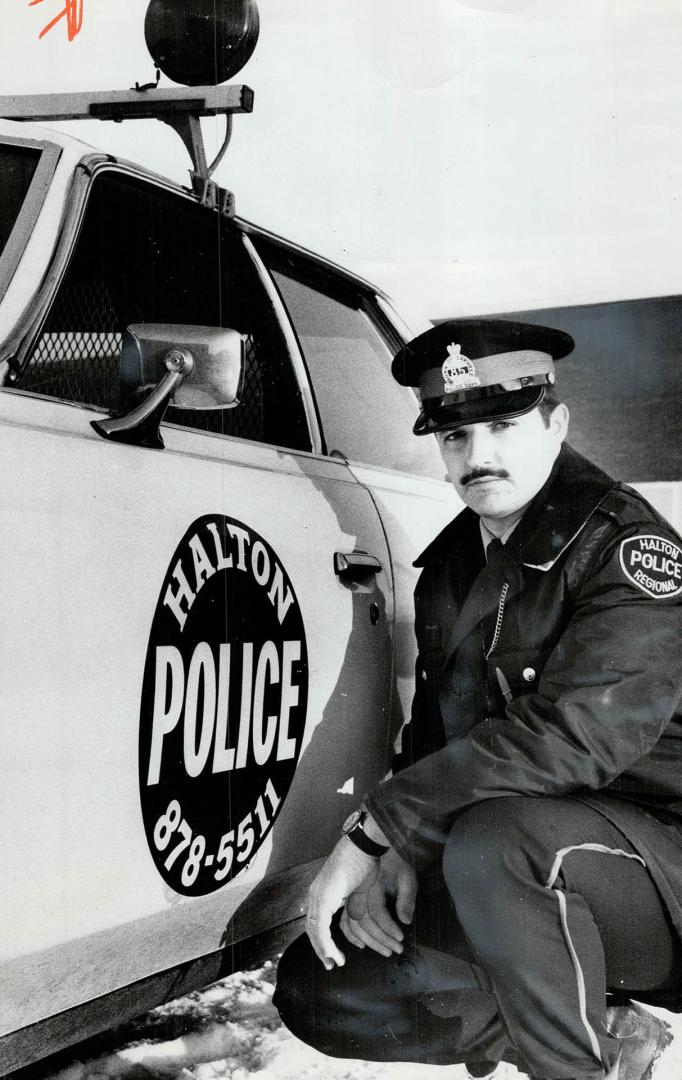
x=296, y=989
x=349, y=1011
x=330, y=1010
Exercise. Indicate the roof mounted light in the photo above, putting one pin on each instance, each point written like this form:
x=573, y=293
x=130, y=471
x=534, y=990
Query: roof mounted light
x=198, y=43
x=201, y=42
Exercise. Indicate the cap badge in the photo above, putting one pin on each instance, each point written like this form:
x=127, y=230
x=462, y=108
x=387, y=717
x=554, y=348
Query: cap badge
x=459, y=372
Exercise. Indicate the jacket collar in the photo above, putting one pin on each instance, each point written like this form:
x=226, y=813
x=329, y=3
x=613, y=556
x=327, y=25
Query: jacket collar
x=458, y=535
x=574, y=489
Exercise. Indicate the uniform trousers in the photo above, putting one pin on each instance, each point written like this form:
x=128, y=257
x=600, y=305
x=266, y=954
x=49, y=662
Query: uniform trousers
x=540, y=908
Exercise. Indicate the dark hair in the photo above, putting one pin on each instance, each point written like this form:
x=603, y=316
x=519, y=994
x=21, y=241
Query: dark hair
x=548, y=404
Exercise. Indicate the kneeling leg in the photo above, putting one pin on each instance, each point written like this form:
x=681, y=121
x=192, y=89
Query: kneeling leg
x=373, y=1007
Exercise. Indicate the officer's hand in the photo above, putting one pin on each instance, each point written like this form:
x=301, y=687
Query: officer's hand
x=346, y=868
x=366, y=919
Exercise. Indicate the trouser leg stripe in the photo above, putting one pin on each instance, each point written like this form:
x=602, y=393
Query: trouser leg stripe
x=560, y=856
x=579, y=977
x=561, y=900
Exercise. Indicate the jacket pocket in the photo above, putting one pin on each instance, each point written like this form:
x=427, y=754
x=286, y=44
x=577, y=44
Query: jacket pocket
x=512, y=674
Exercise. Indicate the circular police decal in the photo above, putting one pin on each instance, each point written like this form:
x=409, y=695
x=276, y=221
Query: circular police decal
x=653, y=564
x=223, y=709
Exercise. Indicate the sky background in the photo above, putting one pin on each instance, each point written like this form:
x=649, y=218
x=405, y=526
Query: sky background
x=468, y=156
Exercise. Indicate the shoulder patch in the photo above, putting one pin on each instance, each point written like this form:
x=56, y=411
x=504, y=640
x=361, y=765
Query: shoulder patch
x=652, y=563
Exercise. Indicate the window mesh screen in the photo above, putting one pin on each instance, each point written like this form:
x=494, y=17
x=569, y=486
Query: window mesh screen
x=77, y=355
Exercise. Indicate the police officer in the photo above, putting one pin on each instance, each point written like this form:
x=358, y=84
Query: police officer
x=534, y=813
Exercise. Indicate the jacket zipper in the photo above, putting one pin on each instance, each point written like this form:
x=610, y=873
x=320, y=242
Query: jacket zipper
x=498, y=623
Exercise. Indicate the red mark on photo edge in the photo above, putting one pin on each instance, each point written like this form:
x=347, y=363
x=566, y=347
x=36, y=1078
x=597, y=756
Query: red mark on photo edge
x=72, y=12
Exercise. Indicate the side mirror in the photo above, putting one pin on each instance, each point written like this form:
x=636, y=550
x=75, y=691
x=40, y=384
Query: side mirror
x=217, y=375
x=188, y=367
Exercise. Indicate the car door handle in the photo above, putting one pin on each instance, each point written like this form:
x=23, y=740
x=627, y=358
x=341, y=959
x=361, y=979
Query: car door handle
x=352, y=565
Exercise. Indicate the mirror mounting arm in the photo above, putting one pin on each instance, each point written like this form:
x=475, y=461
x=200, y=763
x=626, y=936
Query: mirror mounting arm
x=141, y=425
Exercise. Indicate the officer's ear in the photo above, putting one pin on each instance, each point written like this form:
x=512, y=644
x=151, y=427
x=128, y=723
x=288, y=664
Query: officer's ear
x=558, y=421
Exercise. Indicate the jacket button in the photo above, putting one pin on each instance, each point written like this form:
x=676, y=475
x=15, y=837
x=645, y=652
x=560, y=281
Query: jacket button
x=529, y=674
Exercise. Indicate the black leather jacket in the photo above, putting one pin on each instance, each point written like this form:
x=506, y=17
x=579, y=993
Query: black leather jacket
x=555, y=670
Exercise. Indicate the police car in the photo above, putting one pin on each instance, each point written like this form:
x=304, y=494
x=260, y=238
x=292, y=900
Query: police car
x=211, y=504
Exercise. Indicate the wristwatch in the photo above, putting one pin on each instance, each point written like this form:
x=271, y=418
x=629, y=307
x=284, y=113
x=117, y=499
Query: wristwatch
x=352, y=828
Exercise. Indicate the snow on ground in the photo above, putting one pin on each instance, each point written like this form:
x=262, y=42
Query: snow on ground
x=231, y=1031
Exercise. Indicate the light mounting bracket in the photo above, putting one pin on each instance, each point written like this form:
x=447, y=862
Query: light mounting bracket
x=181, y=108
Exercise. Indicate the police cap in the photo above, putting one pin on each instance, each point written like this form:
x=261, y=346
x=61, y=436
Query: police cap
x=471, y=370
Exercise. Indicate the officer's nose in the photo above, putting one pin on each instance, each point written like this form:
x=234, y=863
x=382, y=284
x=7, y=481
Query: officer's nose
x=480, y=449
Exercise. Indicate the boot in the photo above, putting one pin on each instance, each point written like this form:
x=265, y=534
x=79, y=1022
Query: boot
x=500, y=1070
x=642, y=1038
x=480, y=1070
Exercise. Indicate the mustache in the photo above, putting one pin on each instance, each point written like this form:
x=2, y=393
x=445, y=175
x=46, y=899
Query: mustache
x=484, y=474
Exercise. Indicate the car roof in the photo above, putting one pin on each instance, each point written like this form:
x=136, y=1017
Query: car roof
x=75, y=151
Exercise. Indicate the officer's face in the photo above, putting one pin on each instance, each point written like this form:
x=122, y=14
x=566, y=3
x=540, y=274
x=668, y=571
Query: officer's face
x=497, y=467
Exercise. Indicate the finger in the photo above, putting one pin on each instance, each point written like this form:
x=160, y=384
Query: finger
x=406, y=898
x=383, y=918
x=346, y=926
x=377, y=935
x=318, y=930
x=371, y=941
x=356, y=904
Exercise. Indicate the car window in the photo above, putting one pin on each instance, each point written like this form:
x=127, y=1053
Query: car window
x=365, y=415
x=17, y=168
x=146, y=254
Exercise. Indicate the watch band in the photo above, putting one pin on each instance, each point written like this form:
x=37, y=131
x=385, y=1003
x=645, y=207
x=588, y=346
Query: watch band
x=353, y=829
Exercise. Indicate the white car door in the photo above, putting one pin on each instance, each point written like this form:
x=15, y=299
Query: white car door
x=194, y=697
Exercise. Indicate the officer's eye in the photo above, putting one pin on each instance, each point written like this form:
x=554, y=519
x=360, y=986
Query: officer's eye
x=502, y=425
x=453, y=436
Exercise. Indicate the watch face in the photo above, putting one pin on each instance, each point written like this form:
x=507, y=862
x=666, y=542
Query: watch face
x=351, y=821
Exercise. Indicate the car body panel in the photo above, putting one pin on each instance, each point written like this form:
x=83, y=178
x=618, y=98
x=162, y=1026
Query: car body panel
x=86, y=552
